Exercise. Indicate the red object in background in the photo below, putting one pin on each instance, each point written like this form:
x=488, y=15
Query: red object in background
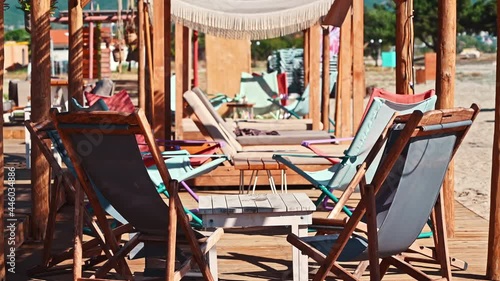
x=282, y=88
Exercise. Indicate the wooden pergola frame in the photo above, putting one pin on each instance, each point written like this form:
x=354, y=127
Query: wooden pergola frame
x=160, y=91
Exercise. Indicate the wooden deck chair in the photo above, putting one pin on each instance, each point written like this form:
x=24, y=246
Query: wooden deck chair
x=257, y=89
x=396, y=204
x=201, y=106
x=92, y=249
x=376, y=93
x=339, y=175
x=104, y=151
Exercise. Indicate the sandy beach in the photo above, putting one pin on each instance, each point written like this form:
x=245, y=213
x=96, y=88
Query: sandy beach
x=475, y=83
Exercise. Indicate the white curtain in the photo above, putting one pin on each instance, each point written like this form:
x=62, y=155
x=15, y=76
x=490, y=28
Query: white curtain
x=250, y=19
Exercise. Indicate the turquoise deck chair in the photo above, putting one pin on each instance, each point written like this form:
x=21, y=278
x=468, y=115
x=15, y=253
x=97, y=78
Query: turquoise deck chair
x=340, y=175
x=258, y=90
x=300, y=106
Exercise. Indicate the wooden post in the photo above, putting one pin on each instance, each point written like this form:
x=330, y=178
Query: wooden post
x=75, y=68
x=167, y=54
x=306, y=56
x=344, y=82
x=493, y=264
x=195, y=58
x=314, y=84
x=358, y=63
x=159, y=113
x=445, y=90
x=149, y=63
x=2, y=164
x=91, y=44
x=404, y=42
x=325, y=101
x=142, y=59
x=40, y=105
x=181, y=74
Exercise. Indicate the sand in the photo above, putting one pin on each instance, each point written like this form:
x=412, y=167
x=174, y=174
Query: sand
x=475, y=83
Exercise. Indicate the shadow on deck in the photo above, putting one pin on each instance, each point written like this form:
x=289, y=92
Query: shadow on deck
x=262, y=254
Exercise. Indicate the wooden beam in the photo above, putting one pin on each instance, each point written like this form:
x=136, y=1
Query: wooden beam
x=167, y=70
x=344, y=82
x=2, y=164
x=338, y=12
x=493, y=264
x=404, y=43
x=142, y=59
x=85, y=3
x=325, y=101
x=195, y=58
x=358, y=63
x=314, y=75
x=181, y=74
x=445, y=90
x=306, y=57
x=75, y=68
x=159, y=112
x=149, y=64
x=40, y=105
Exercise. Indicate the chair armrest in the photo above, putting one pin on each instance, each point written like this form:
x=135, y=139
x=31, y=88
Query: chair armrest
x=324, y=224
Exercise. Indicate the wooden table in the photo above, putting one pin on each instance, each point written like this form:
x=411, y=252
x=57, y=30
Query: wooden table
x=258, y=164
x=235, y=106
x=250, y=210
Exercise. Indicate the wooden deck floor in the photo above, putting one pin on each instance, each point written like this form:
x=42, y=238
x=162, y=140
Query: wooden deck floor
x=264, y=254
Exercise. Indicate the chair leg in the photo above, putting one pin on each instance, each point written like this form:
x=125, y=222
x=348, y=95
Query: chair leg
x=49, y=231
x=442, y=242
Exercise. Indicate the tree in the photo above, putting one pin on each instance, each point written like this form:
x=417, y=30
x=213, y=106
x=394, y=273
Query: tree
x=380, y=28
x=473, y=16
x=17, y=35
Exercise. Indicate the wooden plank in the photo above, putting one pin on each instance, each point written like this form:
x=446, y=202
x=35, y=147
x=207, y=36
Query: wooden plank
x=149, y=63
x=160, y=112
x=40, y=105
x=75, y=67
x=2, y=163
x=344, y=85
x=142, y=58
x=493, y=262
x=291, y=202
x=358, y=63
x=248, y=203
x=263, y=206
x=314, y=84
x=404, y=42
x=306, y=57
x=219, y=205
x=445, y=90
x=233, y=204
x=325, y=101
x=276, y=203
x=226, y=59
x=181, y=74
x=305, y=202
x=205, y=205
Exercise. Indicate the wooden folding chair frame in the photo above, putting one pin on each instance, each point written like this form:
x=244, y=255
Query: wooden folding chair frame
x=91, y=249
x=413, y=127
x=134, y=123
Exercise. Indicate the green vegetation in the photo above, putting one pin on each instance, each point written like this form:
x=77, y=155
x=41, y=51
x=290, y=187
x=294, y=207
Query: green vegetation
x=473, y=16
x=18, y=35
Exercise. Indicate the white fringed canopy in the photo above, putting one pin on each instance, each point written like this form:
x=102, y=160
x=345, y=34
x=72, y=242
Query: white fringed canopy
x=251, y=19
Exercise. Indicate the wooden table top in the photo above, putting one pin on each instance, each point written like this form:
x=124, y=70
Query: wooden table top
x=258, y=163
x=256, y=203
